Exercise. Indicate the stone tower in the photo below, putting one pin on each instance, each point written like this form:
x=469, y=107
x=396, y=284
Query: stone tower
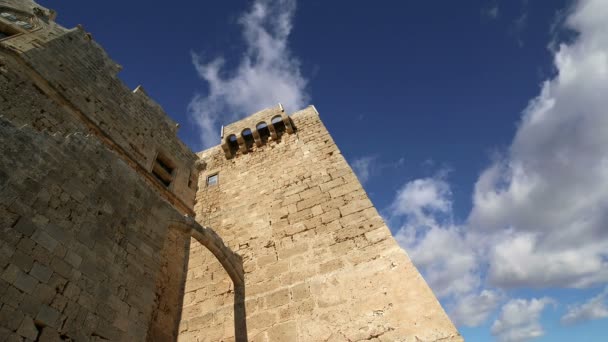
x=98, y=240
x=320, y=264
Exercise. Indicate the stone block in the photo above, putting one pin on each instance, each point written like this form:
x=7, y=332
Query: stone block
x=41, y=272
x=283, y=332
x=48, y=316
x=25, y=226
x=355, y=206
x=278, y=298
x=27, y=329
x=44, y=239
x=25, y=282
x=300, y=292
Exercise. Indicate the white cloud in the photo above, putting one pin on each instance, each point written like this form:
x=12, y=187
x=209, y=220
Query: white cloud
x=369, y=166
x=423, y=196
x=363, y=168
x=437, y=246
x=519, y=320
x=594, y=308
x=539, y=213
x=491, y=11
x=267, y=73
x=474, y=309
x=550, y=192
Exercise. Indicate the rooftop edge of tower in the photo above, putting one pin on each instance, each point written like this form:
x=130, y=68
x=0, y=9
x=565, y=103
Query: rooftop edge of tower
x=257, y=128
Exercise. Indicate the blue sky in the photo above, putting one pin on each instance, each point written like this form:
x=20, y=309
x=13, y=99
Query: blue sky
x=477, y=127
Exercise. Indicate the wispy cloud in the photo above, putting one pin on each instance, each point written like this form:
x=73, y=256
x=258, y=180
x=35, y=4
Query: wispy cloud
x=594, y=308
x=363, y=168
x=267, y=74
x=518, y=26
x=368, y=166
x=491, y=11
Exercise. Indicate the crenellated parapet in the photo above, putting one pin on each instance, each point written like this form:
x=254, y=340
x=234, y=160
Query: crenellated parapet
x=258, y=129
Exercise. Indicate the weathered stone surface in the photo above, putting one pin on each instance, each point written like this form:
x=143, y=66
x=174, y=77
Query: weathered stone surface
x=89, y=248
x=94, y=185
x=320, y=263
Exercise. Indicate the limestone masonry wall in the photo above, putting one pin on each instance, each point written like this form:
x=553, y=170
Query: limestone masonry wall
x=93, y=245
x=320, y=264
x=75, y=74
x=97, y=198
x=78, y=257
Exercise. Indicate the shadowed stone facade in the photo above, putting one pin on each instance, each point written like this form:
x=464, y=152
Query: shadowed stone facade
x=103, y=216
x=94, y=186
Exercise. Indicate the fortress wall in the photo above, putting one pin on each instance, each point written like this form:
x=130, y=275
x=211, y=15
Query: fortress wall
x=320, y=263
x=75, y=73
x=86, y=249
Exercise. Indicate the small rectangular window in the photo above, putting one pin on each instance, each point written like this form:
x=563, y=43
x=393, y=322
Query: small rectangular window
x=163, y=170
x=212, y=180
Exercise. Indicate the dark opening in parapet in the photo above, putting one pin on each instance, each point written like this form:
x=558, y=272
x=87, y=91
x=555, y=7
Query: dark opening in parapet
x=263, y=131
x=233, y=144
x=163, y=169
x=279, y=125
x=248, y=137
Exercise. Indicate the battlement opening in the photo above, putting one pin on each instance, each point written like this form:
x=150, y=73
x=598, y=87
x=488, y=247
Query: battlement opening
x=263, y=131
x=163, y=169
x=248, y=138
x=279, y=125
x=233, y=144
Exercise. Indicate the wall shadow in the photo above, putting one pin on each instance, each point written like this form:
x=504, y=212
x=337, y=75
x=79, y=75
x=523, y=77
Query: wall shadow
x=232, y=264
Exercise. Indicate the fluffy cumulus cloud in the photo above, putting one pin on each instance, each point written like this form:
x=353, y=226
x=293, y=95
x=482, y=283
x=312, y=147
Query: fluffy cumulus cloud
x=443, y=251
x=551, y=190
x=266, y=75
x=519, y=320
x=474, y=309
x=594, y=308
x=539, y=212
x=433, y=241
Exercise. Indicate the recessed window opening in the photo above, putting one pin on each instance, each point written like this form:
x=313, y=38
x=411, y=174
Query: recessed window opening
x=7, y=30
x=263, y=131
x=248, y=137
x=163, y=170
x=233, y=144
x=213, y=180
x=164, y=164
x=279, y=125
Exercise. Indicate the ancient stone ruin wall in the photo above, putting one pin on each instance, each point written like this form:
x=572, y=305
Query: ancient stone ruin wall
x=93, y=239
x=320, y=263
x=79, y=257
x=75, y=73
